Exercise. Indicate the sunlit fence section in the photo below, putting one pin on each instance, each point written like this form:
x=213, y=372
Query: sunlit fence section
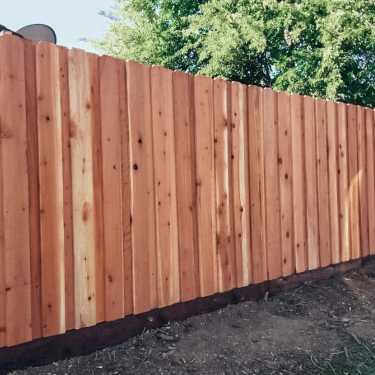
x=126, y=187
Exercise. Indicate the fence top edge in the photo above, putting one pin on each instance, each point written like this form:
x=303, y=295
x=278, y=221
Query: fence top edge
x=198, y=76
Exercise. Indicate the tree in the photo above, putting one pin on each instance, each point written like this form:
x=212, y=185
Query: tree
x=153, y=32
x=322, y=48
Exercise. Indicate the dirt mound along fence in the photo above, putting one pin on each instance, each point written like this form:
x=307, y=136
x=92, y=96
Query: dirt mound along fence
x=125, y=187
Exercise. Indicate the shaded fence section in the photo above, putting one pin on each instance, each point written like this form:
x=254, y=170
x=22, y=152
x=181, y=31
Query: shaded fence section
x=125, y=187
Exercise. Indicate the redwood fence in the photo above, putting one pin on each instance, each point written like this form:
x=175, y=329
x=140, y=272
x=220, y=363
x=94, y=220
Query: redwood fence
x=125, y=187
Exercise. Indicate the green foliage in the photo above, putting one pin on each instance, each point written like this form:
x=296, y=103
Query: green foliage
x=322, y=48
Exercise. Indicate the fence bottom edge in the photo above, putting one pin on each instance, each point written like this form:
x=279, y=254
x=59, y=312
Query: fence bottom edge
x=87, y=340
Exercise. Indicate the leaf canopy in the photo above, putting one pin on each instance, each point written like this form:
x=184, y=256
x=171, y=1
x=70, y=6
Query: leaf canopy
x=323, y=48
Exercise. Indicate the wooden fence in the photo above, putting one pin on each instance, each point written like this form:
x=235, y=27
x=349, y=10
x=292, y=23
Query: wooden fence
x=125, y=187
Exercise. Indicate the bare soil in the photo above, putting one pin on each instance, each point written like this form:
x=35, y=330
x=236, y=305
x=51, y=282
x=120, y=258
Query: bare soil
x=325, y=327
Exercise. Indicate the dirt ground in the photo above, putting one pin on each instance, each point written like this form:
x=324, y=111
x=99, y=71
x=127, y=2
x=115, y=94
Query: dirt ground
x=324, y=327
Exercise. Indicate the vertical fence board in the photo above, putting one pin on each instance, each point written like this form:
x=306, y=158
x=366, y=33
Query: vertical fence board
x=185, y=184
x=363, y=175
x=51, y=189
x=165, y=187
x=205, y=174
x=285, y=177
x=83, y=120
x=15, y=191
x=256, y=175
x=342, y=129
x=312, y=221
x=112, y=85
x=333, y=181
x=370, y=177
x=33, y=165
x=271, y=175
x=186, y=187
x=67, y=187
x=240, y=163
x=94, y=105
x=355, y=244
x=224, y=193
x=142, y=186
x=2, y=234
x=126, y=200
x=323, y=183
x=298, y=157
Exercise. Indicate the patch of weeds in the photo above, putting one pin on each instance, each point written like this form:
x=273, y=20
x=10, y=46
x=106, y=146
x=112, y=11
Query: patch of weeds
x=358, y=358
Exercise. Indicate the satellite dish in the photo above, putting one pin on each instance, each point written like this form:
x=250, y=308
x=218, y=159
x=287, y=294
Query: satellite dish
x=38, y=33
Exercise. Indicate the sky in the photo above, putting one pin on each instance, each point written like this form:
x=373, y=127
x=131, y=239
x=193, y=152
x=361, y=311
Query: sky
x=71, y=19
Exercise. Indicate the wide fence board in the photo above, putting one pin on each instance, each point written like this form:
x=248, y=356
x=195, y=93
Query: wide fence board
x=225, y=240
x=271, y=176
x=142, y=186
x=286, y=185
x=256, y=176
x=323, y=183
x=112, y=105
x=126, y=188
x=312, y=217
x=332, y=143
x=63, y=69
x=205, y=180
x=240, y=183
x=165, y=187
x=33, y=165
x=186, y=184
x=51, y=189
x=83, y=114
x=15, y=193
x=299, y=202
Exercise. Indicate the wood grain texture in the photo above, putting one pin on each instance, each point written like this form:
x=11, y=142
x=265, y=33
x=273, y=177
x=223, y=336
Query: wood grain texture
x=125, y=187
x=333, y=155
x=2, y=238
x=126, y=199
x=271, y=176
x=186, y=187
x=286, y=184
x=257, y=188
x=299, y=204
x=312, y=217
x=226, y=255
x=112, y=89
x=354, y=176
x=33, y=168
x=51, y=189
x=84, y=158
x=165, y=187
x=323, y=183
x=363, y=185
x=142, y=187
x=370, y=124
x=15, y=192
x=342, y=129
x=94, y=105
x=241, y=195
x=205, y=179
x=63, y=67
